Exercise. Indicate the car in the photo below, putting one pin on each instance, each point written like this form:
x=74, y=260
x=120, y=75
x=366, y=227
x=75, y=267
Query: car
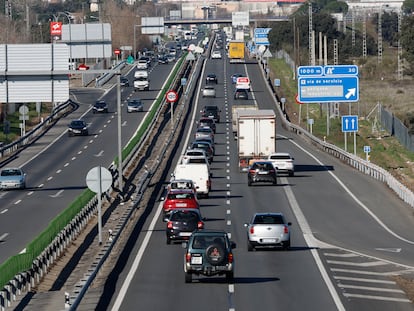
x=209, y=253
x=146, y=58
x=268, y=230
x=12, y=178
x=211, y=78
x=135, y=105
x=203, y=132
x=78, y=127
x=179, y=198
x=100, y=106
x=181, y=223
x=209, y=91
x=241, y=94
x=206, y=146
x=83, y=67
x=207, y=122
x=163, y=59
x=283, y=162
x=172, y=52
x=124, y=81
x=261, y=171
x=207, y=140
x=142, y=64
x=235, y=76
x=212, y=112
x=216, y=55
x=181, y=184
x=195, y=156
x=171, y=58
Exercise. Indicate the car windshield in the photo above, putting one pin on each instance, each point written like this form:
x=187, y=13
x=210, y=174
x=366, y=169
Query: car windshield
x=11, y=172
x=174, y=196
x=269, y=219
x=280, y=157
x=184, y=216
x=77, y=123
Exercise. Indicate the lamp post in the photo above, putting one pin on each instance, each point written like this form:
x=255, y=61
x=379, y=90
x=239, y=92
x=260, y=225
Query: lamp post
x=70, y=35
x=135, y=40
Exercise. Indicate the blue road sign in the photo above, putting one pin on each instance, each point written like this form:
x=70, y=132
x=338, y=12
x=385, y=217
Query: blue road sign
x=310, y=71
x=262, y=31
x=367, y=149
x=341, y=70
x=260, y=36
x=349, y=123
x=328, y=89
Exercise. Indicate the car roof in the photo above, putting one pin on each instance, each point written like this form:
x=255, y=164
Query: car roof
x=210, y=232
x=180, y=191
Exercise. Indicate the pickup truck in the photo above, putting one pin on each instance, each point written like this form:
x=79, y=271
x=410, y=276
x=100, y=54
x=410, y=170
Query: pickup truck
x=282, y=162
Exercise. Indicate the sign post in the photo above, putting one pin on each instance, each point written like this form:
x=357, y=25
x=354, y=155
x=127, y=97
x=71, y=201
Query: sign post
x=171, y=97
x=98, y=180
x=350, y=124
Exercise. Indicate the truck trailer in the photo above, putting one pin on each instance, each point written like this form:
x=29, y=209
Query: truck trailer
x=256, y=131
x=236, y=51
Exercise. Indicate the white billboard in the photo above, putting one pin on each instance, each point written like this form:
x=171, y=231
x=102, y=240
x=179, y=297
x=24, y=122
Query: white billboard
x=152, y=25
x=30, y=73
x=240, y=19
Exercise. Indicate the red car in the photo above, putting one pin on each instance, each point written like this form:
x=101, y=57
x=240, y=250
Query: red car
x=179, y=198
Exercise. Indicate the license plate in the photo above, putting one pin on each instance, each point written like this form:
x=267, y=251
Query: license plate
x=184, y=233
x=269, y=240
x=181, y=204
x=262, y=173
x=197, y=260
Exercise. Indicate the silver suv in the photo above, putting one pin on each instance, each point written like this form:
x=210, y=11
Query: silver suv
x=209, y=253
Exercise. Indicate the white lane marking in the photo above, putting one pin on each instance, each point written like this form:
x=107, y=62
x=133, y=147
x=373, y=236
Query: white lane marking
x=364, y=207
x=57, y=194
x=4, y=211
x=358, y=272
x=228, y=212
x=66, y=164
x=40, y=186
x=228, y=223
x=392, y=250
x=137, y=260
x=376, y=297
x=30, y=193
x=49, y=178
x=17, y=202
x=377, y=289
x=357, y=264
x=341, y=255
x=23, y=251
x=309, y=239
x=346, y=278
x=58, y=171
x=3, y=237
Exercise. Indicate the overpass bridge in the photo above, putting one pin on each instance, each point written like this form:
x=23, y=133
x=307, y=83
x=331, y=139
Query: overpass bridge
x=220, y=20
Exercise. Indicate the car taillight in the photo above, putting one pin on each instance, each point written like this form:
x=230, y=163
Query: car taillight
x=230, y=257
x=272, y=171
x=169, y=225
x=200, y=225
x=252, y=171
x=251, y=230
x=286, y=229
x=188, y=257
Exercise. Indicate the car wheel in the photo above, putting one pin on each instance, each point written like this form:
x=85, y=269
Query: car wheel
x=188, y=277
x=275, y=182
x=286, y=245
x=250, y=247
x=215, y=254
x=291, y=173
x=249, y=182
x=168, y=240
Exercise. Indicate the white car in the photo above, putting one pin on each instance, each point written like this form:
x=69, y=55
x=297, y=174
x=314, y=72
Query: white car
x=209, y=91
x=12, y=178
x=282, y=162
x=268, y=230
x=216, y=55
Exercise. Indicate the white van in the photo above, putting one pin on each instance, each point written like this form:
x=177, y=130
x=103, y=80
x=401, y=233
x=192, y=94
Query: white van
x=243, y=83
x=199, y=173
x=141, y=81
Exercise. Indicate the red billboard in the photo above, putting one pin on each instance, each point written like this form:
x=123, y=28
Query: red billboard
x=55, y=28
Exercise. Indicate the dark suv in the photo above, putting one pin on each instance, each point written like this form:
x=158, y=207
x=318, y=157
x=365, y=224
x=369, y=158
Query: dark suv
x=261, y=171
x=212, y=112
x=209, y=253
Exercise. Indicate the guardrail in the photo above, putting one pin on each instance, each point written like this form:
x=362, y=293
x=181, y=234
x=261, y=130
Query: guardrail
x=63, y=230
x=352, y=160
x=16, y=146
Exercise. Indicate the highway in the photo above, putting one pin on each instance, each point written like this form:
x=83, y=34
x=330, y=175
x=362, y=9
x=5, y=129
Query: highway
x=349, y=233
x=57, y=165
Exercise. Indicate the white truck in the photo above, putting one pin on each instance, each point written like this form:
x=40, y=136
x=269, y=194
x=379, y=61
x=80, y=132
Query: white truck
x=234, y=112
x=256, y=135
x=141, y=80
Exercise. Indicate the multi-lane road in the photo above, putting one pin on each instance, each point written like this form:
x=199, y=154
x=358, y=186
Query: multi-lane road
x=350, y=234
